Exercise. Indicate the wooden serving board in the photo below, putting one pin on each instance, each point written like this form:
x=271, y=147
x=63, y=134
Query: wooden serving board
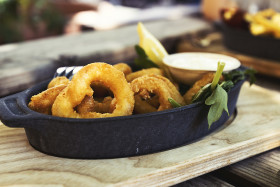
x=255, y=129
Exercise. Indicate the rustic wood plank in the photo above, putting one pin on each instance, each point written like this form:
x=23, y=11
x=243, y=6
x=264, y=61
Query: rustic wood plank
x=261, y=170
x=28, y=72
x=27, y=63
x=193, y=42
x=255, y=129
x=204, y=181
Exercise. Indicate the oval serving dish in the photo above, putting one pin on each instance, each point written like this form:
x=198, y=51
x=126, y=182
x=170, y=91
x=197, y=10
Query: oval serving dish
x=110, y=137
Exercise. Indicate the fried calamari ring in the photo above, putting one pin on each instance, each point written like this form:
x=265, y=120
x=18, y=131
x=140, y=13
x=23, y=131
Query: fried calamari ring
x=88, y=104
x=58, y=81
x=145, y=85
x=108, y=105
x=153, y=101
x=126, y=69
x=142, y=106
x=175, y=94
x=130, y=77
x=43, y=101
x=100, y=90
x=79, y=87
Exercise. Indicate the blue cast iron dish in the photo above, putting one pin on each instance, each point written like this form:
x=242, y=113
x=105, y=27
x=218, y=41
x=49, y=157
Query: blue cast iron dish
x=113, y=137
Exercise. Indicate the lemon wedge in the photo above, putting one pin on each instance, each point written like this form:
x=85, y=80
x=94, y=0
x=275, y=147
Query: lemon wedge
x=153, y=48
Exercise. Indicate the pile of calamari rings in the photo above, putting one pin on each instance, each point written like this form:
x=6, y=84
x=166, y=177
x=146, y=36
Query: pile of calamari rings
x=101, y=90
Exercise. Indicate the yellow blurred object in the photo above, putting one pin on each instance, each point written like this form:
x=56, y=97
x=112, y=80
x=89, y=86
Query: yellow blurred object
x=266, y=22
x=229, y=13
x=153, y=48
x=258, y=29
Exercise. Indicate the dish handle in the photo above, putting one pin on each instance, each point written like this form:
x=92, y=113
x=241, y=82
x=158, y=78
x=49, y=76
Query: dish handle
x=13, y=113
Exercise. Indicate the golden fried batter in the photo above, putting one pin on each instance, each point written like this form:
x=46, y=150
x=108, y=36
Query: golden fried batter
x=79, y=87
x=58, y=81
x=130, y=77
x=142, y=106
x=87, y=105
x=172, y=89
x=43, y=101
x=154, y=84
x=90, y=105
x=126, y=69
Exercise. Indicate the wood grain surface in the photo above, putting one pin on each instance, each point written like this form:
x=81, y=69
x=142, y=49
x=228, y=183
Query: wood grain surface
x=255, y=129
x=204, y=181
x=260, y=170
x=25, y=64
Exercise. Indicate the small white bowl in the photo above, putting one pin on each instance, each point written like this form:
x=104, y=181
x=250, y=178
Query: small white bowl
x=190, y=66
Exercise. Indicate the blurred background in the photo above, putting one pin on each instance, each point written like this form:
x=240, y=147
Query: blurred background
x=30, y=19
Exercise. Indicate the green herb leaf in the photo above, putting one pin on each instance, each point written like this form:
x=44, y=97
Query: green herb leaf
x=207, y=90
x=218, y=101
x=251, y=73
x=143, y=61
x=174, y=103
x=215, y=95
x=237, y=75
x=227, y=85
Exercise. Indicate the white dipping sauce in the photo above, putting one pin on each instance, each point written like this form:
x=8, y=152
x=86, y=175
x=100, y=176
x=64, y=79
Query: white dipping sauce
x=200, y=61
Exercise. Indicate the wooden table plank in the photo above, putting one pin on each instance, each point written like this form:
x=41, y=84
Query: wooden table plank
x=204, y=181
x=255, y=129
x=27, y=63
x=261, y=170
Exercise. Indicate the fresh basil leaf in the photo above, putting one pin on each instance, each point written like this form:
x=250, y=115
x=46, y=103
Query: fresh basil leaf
x=174, y=103
x=143, y=61
x=218, y=102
